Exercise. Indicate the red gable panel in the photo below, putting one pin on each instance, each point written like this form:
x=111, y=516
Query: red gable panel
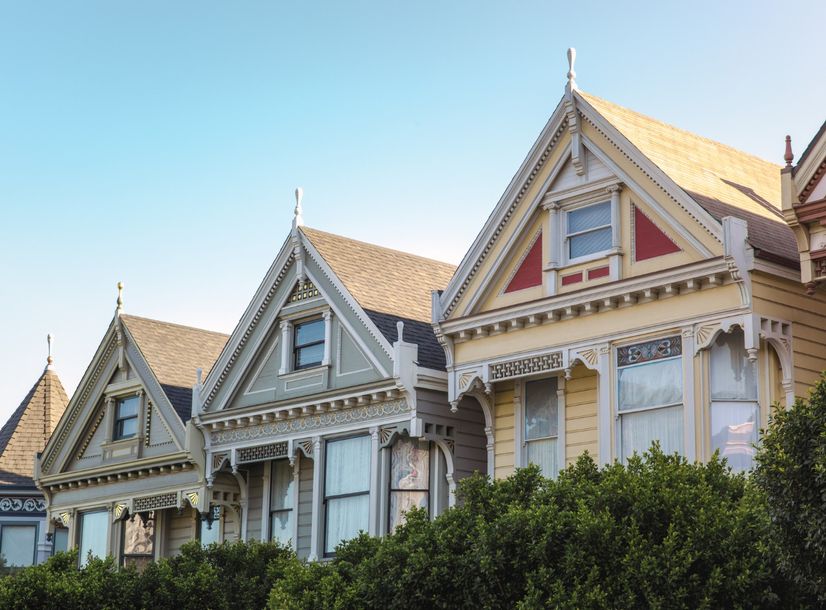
x=529, y=273
x=649, y=240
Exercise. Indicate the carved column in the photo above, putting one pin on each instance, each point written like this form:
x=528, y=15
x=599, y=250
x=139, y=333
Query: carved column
x=286, y=345
x=328, y=335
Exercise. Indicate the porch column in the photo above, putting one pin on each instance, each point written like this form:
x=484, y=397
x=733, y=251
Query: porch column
x=373, y=520
x=315, y=534
x=604, y=409
x=690, y=440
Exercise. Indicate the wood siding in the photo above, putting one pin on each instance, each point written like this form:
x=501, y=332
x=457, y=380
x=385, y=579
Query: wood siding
x=305, y=506
x=179, y=529
x=503, y=430
x=581, y=414
x=256, y=501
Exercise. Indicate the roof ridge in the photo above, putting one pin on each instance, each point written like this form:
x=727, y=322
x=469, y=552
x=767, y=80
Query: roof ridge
x=385, y=248
x=680, y=129
x=175, y=324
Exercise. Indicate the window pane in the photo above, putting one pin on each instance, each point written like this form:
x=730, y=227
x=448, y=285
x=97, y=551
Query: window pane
x=347, y=467
x=541, y=409
x=281, y=495
x=544, y=454
x=589, y=243
x=403, y=501
x=652, y=384
x=137, y=539
x=309, y=332
x=734, y=432
x=93, y=535
x=60, y=540
x=209, y=535
x=127, y=428
x=281, y=528
x=345, y=518
x=128, y=407
x=18, y=544
x=733, y=375
x=410, y=464
x=589, y=217
x=641, y=429
x=309, y=356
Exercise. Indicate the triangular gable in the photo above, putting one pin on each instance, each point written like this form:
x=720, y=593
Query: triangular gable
x=648, y=240
x=529, y=272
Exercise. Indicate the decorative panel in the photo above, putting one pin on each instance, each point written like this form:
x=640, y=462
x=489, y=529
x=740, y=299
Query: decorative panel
x=526, y=366
x=649, y=351
x=649, y=240
x=168, y=500
x=262, y=452
x=529, y=273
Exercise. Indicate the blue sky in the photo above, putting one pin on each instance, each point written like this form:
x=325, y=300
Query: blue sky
x=159, y=143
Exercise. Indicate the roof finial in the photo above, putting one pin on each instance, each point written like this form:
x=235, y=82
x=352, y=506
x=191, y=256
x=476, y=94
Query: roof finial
x=571, y=72
x=789, y=156
x=298, y=221
x=49, y=359
x=119, y=308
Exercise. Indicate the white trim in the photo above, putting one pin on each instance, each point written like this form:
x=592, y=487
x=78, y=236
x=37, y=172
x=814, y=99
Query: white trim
x=316, y=536
x=689, y=402
x=375, y=512
x=266, y=502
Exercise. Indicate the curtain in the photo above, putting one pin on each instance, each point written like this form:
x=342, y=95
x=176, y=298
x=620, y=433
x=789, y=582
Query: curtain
x=652, y=384
x=544, y=454
x=345, y=518
x=733, y=375
x=281, y=526
x=281, y=495
x=93, y=535
x=734, y=432
x=18, y=544
x=541, y=409
x=640, y=429
x=347, y=468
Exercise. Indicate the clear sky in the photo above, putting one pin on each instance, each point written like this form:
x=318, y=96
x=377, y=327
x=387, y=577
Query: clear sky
x=159, y=143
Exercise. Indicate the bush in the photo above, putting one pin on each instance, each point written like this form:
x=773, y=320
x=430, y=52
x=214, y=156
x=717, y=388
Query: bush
x=791, y=471
x=659, y=533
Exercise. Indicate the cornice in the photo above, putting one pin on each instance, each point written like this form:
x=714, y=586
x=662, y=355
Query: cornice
x=116, y=472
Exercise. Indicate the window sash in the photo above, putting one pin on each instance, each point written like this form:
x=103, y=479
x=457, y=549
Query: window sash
x=314, y=331
x=734, y=431
x=670, y=437
x=94, y=528
x=344, y=517
x=342, y=475
x=596, y=211
x=544, y=452
x=18, y=543
x=126, y=425
x=642, y=402
x=281, y=526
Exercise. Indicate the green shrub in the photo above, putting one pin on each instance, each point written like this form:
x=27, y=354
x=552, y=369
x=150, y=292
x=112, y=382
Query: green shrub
x=659, y=533
x=791, y=470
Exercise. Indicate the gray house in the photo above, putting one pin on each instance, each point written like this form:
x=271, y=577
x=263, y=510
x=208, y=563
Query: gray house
x=326, y=413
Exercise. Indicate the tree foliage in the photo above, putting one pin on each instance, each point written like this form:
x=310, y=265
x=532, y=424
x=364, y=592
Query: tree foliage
x=791, y=471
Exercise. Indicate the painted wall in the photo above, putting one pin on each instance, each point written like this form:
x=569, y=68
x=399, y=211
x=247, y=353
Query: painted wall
x=178, y=529
x=255, y=500
x=581, y=414
x=305, y=506
x=503, y=429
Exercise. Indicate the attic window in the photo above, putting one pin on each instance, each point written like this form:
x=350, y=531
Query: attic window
x=126, y=418
x=308, y=344
x=588, y=230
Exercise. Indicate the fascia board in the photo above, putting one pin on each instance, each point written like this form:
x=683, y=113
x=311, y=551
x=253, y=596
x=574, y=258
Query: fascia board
x=806, y=170
x=117, y=467
x=470, y=259
x=672, y=188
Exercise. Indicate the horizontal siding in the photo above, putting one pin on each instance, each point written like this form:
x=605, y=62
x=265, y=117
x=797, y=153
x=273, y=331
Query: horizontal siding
x=255, y=503
x=503, y=432
x=305, y=506
x=581, y=414
x=179, y=529
x=786, y=300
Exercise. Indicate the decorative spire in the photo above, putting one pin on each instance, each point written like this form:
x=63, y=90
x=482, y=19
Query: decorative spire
x=571, y=72
x=119, y=308
x=49, y=359
x=789, y=156
x=298, y=221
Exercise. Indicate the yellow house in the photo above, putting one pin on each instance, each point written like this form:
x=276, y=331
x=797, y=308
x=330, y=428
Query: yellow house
x=635, y=282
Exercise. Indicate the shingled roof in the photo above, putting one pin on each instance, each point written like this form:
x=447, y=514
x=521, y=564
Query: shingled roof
x=390, y=286
x=174, y=353
x=721, y=179
x=28, y=429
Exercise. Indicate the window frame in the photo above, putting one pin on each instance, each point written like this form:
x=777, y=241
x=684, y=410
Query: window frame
x=296, y=347
x=80, y=518
x=23, y=523
x=324, y=497
x=619, y=412
x=560, y=422
x=290, y=508
x=432, y=448
x=117, y=420
x=567, y=235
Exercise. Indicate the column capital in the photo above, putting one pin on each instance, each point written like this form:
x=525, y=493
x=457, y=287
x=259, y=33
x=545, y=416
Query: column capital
x=614, y=188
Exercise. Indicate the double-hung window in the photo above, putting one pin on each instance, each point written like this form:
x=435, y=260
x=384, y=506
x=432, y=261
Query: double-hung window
x=281, y=502
x=94, y=529
x=541, y=436
x=734, y=407
x=346, y=490
x=409, y=478
x=18, y=543
x=588, y=230
x=650, y=396
x=126, y=417
x=308, y=344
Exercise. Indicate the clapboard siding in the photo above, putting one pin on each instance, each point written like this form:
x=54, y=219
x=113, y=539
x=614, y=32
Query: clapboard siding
x=503, y=430
x=256, y=499
x=180, y=529
x=581, y=414
x=305, y=506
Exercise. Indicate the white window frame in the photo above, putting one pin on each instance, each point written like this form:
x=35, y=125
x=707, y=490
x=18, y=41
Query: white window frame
x=566, y=235
x=520, y=398
x=22, y=523
x=325, y=497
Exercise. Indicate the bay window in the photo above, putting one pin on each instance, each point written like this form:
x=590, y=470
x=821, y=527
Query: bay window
x=94, y=527
x=346, y=490
x=281, y=502
x=541, y=432
x=650, y=396
x=734, y=407
x=18, y=544
x=409, y=478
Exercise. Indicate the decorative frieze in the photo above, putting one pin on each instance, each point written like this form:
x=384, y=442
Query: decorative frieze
x=650, y=351
x=261, y=452
x=168, y=500
x=14, y=504
x=526, y=366
x=311, y=422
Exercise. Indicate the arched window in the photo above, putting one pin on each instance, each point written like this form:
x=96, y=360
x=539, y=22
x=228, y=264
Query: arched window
x=734, y=407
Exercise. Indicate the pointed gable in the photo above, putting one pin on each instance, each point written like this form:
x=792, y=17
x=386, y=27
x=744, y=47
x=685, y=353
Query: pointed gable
x=28, y=429
x=390, y=286
x=529, y=273
x=175, y=353
x=649, y=241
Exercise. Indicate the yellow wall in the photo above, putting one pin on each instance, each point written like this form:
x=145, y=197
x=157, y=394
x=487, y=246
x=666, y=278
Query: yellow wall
x=503, y=430
x=581, y=414
x=785, y=299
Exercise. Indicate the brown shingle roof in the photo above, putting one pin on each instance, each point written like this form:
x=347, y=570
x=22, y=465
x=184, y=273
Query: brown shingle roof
x=174, y=353
x=711, y=172
x=29, y=427
x=389, y=285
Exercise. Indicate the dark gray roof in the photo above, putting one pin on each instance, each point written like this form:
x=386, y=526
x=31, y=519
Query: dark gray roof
x=431, y=354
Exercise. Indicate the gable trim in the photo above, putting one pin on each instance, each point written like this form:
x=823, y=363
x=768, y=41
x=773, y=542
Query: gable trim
x=536, y=240
x=249, y=391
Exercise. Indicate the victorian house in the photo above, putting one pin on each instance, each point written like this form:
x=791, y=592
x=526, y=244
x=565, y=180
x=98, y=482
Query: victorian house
x=24, y=532
x=635, y=283
x=122, y=471
x=327, y=411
